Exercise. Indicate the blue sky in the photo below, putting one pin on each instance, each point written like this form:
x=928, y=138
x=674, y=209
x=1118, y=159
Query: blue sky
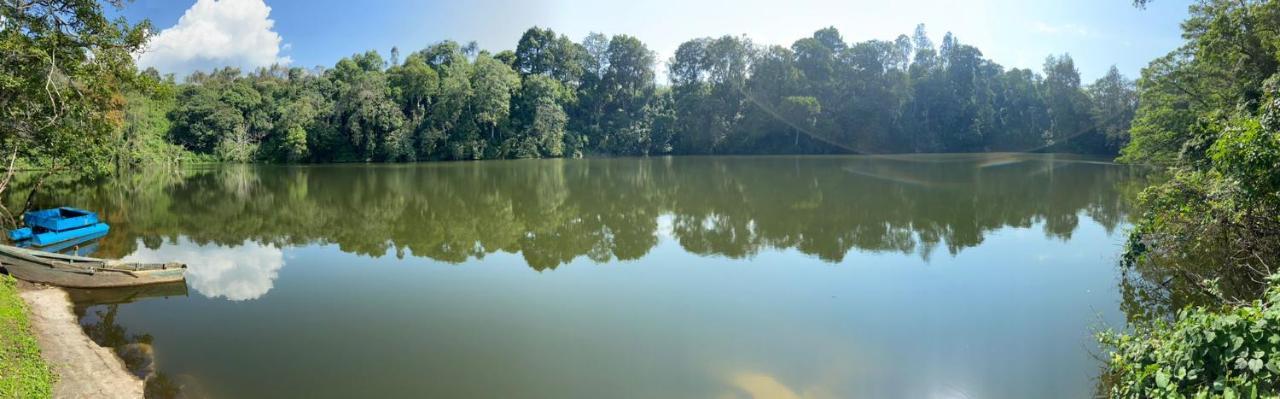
x=307, y=33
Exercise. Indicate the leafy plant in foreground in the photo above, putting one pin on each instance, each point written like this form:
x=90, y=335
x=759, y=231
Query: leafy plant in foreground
x=1204, y=354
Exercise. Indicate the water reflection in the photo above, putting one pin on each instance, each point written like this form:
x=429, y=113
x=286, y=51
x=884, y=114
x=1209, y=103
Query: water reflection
x=99, y=310
x=759, y=385
x=122, y=295
x=725, y=290
x=101, y=323
x=553, y=211
x=239, y=272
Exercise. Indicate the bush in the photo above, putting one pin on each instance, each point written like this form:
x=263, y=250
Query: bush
x=1232, y=352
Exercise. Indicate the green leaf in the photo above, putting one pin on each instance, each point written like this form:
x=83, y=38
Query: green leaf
x=1162, y=379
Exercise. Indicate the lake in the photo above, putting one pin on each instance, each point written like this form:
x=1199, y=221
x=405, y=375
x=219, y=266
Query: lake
x=929, y=276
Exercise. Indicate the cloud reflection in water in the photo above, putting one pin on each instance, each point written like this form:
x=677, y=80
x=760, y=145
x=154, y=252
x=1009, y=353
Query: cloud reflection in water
x=237, y=273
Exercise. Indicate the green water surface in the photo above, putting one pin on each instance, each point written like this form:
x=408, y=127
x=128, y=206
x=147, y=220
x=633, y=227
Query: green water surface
x=931, y=276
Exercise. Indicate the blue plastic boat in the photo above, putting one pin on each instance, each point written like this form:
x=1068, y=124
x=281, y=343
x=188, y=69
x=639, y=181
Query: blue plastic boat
x=83, y=246
x=20, y=234
x=60, y=219
x=54, y=237
x=52, y=226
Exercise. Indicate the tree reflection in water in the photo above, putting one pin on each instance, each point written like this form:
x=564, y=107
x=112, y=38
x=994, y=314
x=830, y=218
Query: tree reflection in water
x=97, y=310
x=553, y=211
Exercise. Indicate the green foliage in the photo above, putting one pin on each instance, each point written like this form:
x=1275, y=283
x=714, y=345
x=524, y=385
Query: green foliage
x=1210, y=111
x=294, y=146
x=542, y=52
x=547, y=130
x=552, y=97
x=235, y=147
x=1206, y=353
x=627, y=87
x=1069, y=120
x=803, y=112
x=143, y=139
x=1250, y=155
x=365, y=111
x=1223, y=205
x=1114, y=104
x=1231, y=50
x=492, y=84
x=63, y=67
x=414, y=84
x=23, y=373
x=214, y=109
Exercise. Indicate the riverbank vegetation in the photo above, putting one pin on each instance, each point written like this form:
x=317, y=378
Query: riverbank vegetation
x=1204, y=353
x=1210, y=236
x=23, y=373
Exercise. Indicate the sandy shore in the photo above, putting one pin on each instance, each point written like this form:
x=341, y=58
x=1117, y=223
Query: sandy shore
x=85, y=370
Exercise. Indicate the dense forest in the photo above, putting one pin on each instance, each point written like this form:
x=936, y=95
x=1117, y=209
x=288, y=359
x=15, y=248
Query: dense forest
x=553, y=97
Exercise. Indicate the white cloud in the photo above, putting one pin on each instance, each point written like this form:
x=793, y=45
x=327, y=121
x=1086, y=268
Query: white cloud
x=217, y=33
x=1068, y=29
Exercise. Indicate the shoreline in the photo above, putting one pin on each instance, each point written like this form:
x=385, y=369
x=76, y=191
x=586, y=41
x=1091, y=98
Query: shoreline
x=84, y=369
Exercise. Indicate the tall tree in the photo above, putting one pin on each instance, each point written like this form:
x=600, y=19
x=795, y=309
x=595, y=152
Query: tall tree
x=539, y=118
x=365, y=112
x=1114, y=102
x=492, y=84
x=626, y=88
x=542, y=52
x=709, y=79
x=63, y=67
x=1070, y=126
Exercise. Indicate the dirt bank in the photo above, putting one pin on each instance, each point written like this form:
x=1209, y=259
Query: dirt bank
x=85, y=370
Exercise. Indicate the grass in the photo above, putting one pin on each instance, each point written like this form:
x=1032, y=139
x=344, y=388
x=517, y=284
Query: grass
x=23, y=373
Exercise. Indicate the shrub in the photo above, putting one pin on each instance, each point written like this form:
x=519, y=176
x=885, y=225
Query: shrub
x=1206, y=353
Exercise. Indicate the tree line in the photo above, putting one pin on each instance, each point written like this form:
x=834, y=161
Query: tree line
x=554, y=97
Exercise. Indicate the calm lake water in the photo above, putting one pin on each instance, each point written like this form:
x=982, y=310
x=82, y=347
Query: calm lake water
x=937, y=276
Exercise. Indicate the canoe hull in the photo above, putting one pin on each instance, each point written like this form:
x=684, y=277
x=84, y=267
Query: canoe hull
x=100, y=279
x=83, y=272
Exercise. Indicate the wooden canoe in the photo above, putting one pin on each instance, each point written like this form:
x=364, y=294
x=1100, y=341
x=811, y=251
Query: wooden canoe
x=85, y=272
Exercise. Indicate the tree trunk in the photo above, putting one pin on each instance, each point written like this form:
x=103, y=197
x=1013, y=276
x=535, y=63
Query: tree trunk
x=9, y=172
x=31, y=196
